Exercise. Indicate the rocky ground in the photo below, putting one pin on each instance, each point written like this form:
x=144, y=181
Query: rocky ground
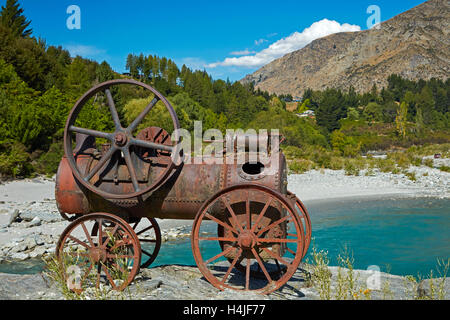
x=187, y=283
x=30, y=226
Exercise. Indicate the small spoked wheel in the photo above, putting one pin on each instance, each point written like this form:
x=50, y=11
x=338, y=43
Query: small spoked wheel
x=260, y=242
x=110, y=258
x=303, y=213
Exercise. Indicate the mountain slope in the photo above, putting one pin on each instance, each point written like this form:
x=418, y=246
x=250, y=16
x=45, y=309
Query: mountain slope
x=414, y=44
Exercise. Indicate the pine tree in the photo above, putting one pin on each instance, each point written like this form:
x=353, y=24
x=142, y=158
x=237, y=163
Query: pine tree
x=12, y=17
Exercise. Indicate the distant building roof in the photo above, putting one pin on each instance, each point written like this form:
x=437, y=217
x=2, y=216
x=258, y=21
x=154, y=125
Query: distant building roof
x=306, y=114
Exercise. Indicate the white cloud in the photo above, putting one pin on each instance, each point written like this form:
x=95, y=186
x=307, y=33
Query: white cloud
x=84, y=51
x=295, y=41
x=242, y=53
x=260, y=41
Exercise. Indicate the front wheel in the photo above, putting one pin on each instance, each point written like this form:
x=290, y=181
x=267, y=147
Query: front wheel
x=262, y=237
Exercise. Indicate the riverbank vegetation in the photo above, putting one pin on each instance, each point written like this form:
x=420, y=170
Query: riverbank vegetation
x=39, y=84
x=346, y=283
x=395, y=161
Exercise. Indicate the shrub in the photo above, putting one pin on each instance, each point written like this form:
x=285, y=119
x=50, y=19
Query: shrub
x=445, y=168
x=411, y=176
x=336, y=163
x=351, y=169
x=401, y=158
x=301, y=165
x=292, y=152
x=387, y=165
x=14, y=160
x=48, y=162
x=429, y=163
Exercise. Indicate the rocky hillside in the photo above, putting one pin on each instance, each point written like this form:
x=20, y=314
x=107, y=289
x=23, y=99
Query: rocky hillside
x=414, y=44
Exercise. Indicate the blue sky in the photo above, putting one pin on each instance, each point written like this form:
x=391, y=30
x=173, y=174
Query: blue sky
x=228, y=38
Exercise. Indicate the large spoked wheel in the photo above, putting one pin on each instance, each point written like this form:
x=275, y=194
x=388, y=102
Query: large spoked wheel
x=262, y=235
x=306, y=220
x=121, y=140
x=111, y=258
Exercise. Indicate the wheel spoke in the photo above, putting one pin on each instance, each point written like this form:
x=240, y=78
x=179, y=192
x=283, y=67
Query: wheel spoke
x=263, y=268
x=119, y=256
x=90, y=132
x=223, y=224
x=150, y=145
x=112, y=109
x=113, y=232
x=79, y=241
x=87, y=234
x=131, y=169
x=100, y=163
x=275, y=256
x=219, y=239
x=290, y=250
x=271, y=226
x=100, y=232
x=277, y=240
x=233, y=215
x=261, y=214
x=146, y=253
x=233, y=263
x=219, y=255
x=79, y=254
x=247, y=274
x=147, y=240
x=145, y=229
x=98, y=276
x=108, y=275
x=142, y=115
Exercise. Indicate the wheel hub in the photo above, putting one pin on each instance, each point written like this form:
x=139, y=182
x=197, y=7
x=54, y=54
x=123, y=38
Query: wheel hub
x=246, y=240
x=120, y=139
x=97, y=254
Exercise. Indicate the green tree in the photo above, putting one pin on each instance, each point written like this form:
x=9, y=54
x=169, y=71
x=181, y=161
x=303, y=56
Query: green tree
x=400, y=120
x=352, y=114
x=77, y=79
x=373, y=112
x=104, y=72
x=331, y=109
x=425, y=102
x=11, y=16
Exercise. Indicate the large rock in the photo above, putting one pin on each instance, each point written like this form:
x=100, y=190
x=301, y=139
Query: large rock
x=26, y=287
x=35, y=222
x=13, y=216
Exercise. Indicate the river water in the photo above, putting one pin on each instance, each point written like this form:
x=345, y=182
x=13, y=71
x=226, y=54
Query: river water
x=400, y=236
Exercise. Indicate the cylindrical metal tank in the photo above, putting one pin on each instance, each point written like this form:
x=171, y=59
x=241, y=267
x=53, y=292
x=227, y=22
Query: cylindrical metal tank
x=181, y=195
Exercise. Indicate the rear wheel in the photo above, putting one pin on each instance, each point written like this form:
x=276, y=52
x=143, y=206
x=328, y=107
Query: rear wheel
x=110, y=258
